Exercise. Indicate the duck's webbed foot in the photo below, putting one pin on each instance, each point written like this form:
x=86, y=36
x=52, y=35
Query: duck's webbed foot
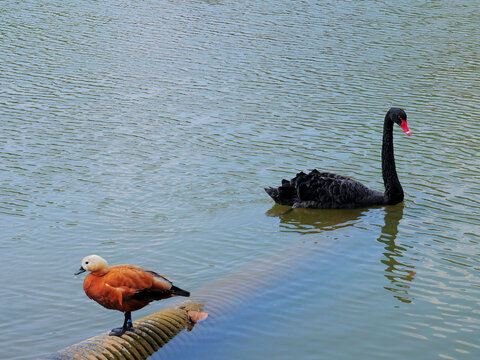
x=127, y=326
x=117, y=331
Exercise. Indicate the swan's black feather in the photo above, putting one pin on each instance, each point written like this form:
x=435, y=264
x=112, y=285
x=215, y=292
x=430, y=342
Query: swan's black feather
x=324, y=190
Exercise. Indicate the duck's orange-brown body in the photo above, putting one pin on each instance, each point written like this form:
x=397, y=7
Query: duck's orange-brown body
x=127, y=287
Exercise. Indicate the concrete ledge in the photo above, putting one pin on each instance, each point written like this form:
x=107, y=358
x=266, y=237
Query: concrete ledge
x=150, y=334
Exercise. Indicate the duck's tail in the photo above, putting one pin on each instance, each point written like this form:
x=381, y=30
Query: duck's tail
x=176, y=291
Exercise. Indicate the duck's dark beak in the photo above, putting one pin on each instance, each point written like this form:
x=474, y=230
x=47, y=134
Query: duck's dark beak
x=80, y=270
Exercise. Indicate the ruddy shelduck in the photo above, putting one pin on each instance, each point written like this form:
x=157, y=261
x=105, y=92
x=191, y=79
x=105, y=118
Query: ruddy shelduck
x=124, y=287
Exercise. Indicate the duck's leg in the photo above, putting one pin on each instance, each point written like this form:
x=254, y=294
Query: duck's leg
x=127, y=325
x=128, y=320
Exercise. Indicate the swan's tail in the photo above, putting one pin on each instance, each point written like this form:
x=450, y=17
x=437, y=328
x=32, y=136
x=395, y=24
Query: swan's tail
x=273, y=193
x=283, y=195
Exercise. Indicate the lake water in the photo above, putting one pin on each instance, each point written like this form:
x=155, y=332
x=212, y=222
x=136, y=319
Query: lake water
x=145, y=131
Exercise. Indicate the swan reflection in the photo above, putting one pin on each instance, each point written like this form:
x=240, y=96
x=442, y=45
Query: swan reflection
x=397, y=272
x=308, y=221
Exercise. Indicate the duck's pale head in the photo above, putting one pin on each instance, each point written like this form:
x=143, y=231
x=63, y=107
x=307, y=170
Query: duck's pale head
x=94, y=264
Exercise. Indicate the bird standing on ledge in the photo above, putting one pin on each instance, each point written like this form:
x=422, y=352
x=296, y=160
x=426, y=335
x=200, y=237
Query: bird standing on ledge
x=124, y=288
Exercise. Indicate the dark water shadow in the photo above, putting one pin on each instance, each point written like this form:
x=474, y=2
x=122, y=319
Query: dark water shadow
x=235, y=302
x=308, y=221
x=397, y=272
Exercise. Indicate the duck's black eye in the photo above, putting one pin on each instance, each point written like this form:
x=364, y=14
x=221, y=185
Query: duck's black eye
x=86, y=262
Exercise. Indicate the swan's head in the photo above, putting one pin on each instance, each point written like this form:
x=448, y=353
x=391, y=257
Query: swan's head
x=93, y=263
x=399, y=117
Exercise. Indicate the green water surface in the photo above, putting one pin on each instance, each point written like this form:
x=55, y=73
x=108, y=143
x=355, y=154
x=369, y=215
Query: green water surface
x=145, y=131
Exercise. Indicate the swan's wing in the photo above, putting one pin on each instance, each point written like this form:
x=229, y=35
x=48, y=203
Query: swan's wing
x=323, y=190
x=303, y=187
x=327, y=190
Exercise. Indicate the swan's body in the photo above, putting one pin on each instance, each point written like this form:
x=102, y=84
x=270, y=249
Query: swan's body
x=330, y=191
x=324, y=190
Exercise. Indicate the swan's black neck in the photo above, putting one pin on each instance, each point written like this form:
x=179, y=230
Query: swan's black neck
x=393, y=190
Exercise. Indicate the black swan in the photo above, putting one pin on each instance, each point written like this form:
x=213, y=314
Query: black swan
x=324, y=190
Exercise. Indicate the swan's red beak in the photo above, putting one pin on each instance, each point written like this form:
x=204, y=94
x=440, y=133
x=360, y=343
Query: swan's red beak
x=404, y=127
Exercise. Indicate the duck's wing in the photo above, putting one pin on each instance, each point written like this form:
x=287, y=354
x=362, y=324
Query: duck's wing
x=126, y=283
x=162, y=284
x=138, y=284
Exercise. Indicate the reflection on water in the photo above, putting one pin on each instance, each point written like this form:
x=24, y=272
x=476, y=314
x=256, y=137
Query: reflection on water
x=308, y=221
x=397, y=271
